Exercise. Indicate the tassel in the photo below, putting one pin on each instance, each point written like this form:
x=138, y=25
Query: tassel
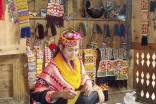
x=144, y=40
x=40, y=31
x=53, y=30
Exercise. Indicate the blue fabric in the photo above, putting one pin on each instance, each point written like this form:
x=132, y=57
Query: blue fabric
x=122, y=30
x=25, y=32
x=116, y=30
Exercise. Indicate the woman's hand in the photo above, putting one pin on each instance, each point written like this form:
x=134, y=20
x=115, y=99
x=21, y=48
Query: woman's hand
x=68, y=94
x=87, y=87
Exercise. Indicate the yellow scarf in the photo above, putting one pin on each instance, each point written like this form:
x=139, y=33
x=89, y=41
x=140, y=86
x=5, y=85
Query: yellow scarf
x=71, y=75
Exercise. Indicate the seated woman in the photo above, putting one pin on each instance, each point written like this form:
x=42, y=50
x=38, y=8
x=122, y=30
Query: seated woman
x=64, y=80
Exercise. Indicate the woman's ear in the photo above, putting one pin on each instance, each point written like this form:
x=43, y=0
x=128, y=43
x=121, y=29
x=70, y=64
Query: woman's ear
x=60, y=47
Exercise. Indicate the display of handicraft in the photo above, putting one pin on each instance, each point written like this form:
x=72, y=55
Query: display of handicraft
x=82, y=30
x=112, y=67
x=106, y=36
x=23, y=17
x=144, y=21
x=55, y=12
x=31, y=65
x=90, y=62
x=95, y=36
x=12, y=11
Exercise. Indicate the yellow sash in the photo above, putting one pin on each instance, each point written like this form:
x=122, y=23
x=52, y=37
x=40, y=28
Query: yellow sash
x=71, y=75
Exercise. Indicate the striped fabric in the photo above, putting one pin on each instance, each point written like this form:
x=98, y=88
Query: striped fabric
x=23, y=17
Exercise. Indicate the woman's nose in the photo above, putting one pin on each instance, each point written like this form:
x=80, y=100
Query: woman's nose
x=74, y=53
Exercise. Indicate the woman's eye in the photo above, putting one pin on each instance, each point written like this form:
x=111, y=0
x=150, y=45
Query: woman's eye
x=70, y=50
x=76, y=50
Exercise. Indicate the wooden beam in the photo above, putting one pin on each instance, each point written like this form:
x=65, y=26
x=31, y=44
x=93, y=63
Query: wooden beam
x=137, y=46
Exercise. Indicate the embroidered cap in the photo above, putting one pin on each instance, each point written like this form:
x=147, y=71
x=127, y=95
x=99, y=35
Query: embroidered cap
x=70, y=38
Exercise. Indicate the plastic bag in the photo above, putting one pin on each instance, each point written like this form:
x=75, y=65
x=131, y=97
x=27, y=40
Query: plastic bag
x=129, y=98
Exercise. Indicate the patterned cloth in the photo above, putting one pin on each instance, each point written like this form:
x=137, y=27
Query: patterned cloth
x=70, y=38
x=23, y=17
x=51, y=80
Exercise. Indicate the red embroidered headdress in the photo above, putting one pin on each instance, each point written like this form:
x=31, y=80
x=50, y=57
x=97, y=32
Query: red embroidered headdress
x=70, y=38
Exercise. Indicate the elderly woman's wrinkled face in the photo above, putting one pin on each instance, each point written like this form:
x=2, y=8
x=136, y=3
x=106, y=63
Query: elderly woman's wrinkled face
x=70, y=52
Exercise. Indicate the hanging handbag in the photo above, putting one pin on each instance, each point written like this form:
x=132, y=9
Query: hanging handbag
x=95, y=12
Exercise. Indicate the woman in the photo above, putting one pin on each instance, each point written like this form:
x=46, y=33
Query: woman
x=64, y=80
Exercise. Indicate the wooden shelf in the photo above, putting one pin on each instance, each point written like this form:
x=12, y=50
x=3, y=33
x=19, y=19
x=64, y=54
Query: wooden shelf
x=99, y=19
x=84, y=19
x=37, y=18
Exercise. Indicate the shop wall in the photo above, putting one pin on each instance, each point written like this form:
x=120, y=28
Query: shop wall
x=14, y=66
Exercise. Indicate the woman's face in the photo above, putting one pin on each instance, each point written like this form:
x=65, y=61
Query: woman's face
x=70, y=52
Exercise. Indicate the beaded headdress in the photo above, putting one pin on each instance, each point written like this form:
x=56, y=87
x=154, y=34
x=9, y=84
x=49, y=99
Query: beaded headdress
x=70, y=38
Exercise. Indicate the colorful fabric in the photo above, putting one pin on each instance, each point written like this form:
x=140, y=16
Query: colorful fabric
x=70, y=38
x=51, y=74
x=23, y=17
x=1, y=9
x=54, y=15
x=82, y=30
x=144, y=21
x=51, y=79
x=55, y=9
x=12, y=11
x=31, y=65
x=71, y=75
x=72, y=101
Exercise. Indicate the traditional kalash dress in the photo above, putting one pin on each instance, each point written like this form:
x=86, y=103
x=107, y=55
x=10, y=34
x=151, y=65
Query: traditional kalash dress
x=62, y=75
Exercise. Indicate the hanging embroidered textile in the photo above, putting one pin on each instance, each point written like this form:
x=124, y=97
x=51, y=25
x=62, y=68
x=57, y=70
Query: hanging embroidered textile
x=12, y=11
x=123, y=35
x=23, y=17
x=116, y=35
x=111, y=71
x=55, y=12
x=31, y=65
x=1, y=9
x=39, y=56
x=82, y=30
x=50, y=49
x=90, y=62
x=144, y=21
x=106, y=37
x=80, y=54
x=95, y=36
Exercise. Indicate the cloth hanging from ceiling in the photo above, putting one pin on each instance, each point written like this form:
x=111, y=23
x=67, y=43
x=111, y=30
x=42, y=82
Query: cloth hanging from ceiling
x=1, y=9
